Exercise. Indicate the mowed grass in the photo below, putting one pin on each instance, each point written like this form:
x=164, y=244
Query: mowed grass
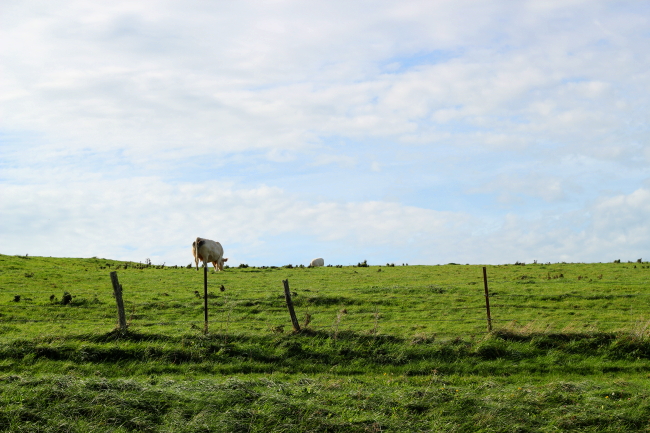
x=401, y=348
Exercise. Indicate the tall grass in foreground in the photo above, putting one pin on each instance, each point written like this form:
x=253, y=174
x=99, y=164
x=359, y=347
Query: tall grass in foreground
x=507, y=381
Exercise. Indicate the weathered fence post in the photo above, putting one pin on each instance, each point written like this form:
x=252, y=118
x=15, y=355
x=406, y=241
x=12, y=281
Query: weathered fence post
x=117, y=290
x=205, y=297
x=487, y=300
x=292, y=313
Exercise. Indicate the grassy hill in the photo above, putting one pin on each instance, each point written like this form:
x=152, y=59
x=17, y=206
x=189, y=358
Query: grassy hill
x=390, y=348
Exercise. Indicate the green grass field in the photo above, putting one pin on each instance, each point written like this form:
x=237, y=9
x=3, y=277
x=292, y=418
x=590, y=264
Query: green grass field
x=401, y=348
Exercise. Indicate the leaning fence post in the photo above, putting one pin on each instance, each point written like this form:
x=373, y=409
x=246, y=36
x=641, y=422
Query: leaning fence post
x=487, y=300
x=292, y=313
x=205, y=297
x=117, y=291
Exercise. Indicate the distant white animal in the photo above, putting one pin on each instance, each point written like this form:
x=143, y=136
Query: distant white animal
x=208, y=252
x=317, y=262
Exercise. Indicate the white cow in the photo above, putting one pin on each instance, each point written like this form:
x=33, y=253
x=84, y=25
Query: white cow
x=208, y=252
x=317, y=262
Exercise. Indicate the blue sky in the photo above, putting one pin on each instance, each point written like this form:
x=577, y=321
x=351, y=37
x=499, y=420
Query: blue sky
x=420, y=132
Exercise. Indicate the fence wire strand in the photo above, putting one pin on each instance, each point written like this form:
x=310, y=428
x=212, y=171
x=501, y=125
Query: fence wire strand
x=247, y=307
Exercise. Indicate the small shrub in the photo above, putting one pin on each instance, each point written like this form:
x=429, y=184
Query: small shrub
x=66, y=299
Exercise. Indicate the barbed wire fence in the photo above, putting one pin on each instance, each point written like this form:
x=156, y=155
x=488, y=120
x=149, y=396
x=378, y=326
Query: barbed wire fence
x=371, y=317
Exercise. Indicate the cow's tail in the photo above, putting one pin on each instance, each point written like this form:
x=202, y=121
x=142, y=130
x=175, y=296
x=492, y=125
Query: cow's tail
x=196, y=244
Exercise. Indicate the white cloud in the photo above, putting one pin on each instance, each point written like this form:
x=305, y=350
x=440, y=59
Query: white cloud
x=342, y=160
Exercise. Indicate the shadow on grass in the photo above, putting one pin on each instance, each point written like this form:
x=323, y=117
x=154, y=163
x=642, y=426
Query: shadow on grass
x=346, y=352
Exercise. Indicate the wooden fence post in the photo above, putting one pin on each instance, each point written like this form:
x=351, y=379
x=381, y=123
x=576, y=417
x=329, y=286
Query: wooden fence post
x=117, y=290
x=205, y=297
x=487, y=300
x=292, y=313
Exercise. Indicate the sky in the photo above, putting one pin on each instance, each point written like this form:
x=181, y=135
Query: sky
x=420, y=132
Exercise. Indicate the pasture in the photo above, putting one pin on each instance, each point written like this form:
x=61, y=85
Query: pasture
x=390, y=348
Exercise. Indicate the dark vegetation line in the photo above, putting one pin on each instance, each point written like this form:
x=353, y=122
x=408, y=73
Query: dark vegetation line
x=317, y=352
